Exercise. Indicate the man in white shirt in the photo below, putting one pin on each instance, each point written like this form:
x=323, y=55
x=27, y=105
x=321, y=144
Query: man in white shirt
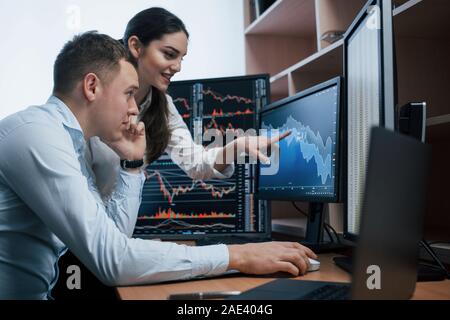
x=49, y=200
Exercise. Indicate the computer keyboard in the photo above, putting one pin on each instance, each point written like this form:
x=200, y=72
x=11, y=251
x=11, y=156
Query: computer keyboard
x=329, y=292
x=288, y=289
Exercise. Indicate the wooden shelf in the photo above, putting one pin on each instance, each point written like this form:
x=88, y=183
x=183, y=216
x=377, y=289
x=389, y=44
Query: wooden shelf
x=279, y=88
x=423, y=19
x=285, y=42
x=335, y=15
x=422, y=48
x=313, y=60
x=437, y=218
x=317, y=68
x=439, y=133
x=398, y=3
x=282, y=18
x=327, y=64
x=434, y=121
x=400, y=6
x=272, y=54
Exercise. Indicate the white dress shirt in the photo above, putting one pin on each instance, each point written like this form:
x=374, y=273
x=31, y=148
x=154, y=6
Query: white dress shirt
x=49, y=201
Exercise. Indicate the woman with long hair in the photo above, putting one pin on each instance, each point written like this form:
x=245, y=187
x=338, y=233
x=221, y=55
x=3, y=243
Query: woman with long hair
x=158, y=41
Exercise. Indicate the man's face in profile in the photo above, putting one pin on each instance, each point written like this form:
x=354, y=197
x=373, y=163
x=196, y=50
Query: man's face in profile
x=117, y=103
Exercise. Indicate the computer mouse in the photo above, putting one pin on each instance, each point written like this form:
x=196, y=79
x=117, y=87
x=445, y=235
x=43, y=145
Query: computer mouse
x=314, y=265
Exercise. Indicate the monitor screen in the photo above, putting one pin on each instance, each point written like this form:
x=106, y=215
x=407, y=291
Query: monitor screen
x=307, y=166
x=174, y=206
x=370, y=102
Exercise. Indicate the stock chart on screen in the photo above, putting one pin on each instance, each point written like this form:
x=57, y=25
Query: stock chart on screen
x=307, y=161
x=182, y=101
x=173, y=204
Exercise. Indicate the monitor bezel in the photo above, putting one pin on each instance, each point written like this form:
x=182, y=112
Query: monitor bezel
x=387, y=82
x=266, y=234
x=336, y=81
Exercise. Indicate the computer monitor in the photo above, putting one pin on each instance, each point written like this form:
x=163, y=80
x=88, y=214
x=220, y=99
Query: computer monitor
x=391, y=228
x=370, y=98
x=307, y=168
x=176, y=207
x=309, y=157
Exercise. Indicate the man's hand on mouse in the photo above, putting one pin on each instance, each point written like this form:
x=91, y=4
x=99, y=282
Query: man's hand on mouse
x=270, y=257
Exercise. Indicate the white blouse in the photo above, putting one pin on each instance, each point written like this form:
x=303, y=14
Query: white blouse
x=196, y=161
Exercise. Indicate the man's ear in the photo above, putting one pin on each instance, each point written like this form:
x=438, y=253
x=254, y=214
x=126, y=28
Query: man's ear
x=91, y=85
x=135, y=46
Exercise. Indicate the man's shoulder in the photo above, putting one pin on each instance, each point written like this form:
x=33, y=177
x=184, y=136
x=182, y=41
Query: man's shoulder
x=35, y=120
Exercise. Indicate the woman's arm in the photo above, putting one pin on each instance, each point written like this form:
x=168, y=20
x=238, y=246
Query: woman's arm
x=257, y=147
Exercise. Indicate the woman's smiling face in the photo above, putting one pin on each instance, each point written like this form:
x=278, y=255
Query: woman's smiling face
x=161, y=60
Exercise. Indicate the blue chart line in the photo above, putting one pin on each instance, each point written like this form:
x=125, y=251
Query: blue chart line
x=309, y=144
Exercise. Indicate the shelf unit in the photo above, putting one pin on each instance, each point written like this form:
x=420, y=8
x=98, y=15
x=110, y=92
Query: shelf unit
x=285, y=41
x=423, y=67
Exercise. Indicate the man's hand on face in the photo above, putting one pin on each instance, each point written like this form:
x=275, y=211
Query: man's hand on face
x=133, y=143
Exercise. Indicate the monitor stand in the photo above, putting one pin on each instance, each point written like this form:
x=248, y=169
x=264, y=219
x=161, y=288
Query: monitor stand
x=314, y=231
x=425, y=272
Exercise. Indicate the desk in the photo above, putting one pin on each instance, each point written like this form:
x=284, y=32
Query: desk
x=328, y=272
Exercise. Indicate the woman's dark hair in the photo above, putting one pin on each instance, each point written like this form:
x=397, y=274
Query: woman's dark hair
x=149, y=25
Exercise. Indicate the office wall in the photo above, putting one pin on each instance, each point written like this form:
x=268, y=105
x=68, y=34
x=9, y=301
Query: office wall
x=33, y=32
